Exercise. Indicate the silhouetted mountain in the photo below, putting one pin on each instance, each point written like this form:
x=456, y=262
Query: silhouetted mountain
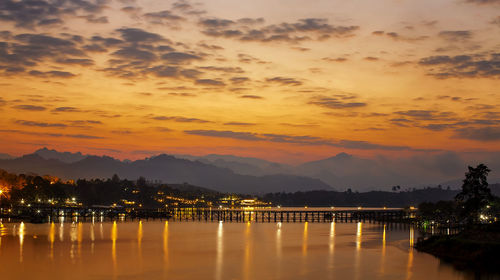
x=5, y=156
x=165, y=168
x=66, y=157
x=242, y=165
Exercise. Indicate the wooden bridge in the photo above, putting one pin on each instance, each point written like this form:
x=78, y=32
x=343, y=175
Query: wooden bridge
x=292, y=215
x=45, y=213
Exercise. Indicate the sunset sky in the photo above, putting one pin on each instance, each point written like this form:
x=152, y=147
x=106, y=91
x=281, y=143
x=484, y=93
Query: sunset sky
x=284, y=80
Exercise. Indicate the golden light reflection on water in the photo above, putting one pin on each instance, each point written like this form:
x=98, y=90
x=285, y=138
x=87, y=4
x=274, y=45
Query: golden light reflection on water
x=331, y=245
x=92, y=238
x=304, y=240
x=21, y=241
x=409, y=266
x=165, y=242
x=247, y=258
x=139, y=243
x=219, y=252
x=359, y=233
x=61, y=232
x=357, y=261
x=114, y=236
x=52, y=238
x=382, y=266
x=279, y=249
x=244, y=251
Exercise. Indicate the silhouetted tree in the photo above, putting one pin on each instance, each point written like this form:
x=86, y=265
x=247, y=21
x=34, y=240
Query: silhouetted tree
x=475, y=194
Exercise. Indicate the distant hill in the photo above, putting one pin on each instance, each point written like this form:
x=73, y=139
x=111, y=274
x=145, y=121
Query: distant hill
x=166, y=168
x=5, y=156
x=242, y=165
x=66, y=157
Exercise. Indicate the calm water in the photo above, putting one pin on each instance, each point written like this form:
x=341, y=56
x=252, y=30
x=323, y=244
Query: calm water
x=199, y=250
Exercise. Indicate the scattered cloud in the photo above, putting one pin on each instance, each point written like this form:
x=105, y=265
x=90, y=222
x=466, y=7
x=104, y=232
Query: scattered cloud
x=302, y=30
x=336, y=102
x=463, y=66
x=250, y=96
x=30, y=107
x=284, y=81
x=293, y=139
x=454, y=36
x=484, y=134
x=210, y=82
x=179, y=119
x=30, y=14
x=40, y=124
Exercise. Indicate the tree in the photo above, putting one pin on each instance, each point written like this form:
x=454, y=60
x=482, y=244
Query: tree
x=475, y=194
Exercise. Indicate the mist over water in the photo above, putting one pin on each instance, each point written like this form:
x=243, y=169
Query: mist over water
x=217, y=250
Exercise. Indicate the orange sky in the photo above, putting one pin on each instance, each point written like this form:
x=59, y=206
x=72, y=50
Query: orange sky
x=285, y=80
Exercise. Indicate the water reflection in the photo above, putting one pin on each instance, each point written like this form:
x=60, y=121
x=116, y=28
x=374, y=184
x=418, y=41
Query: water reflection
x=357, y=260
x=246, y=261
x=114, y=236
x=219, y=252
x=291, y=251
x=165, y=242
x=21, y=241
x=382, y=260
x=52, y=238
x=410, y=254
x=304, y=240
x=278, y=250
x=331, y=243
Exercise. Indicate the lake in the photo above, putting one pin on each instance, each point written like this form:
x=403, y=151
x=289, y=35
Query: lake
x=215, y=250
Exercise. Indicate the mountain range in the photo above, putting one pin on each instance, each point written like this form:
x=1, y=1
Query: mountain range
x=229, y=173
x=165, y=168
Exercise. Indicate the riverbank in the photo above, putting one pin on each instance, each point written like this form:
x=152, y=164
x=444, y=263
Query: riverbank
x=477, y=248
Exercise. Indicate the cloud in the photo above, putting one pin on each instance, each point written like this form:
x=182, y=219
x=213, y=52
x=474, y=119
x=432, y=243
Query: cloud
x=179, y=119
x=51, y=74
x=76, y=61
x=284, y=81
x=426, y=114
x=95, y=19
x=180, y=57
x=239, y=80
x=334, y=59
x=302, y=30
x=483, y=2
x=209, y=82
x=371, y=58
x=484, y=134
x=336, y=102
x=250, y=96
x=135, y=53
x=463, y=66
x=453, y=36
x=294, y=139
x=248, y=136
x=136, y=35
x=48, y=134
x=66, y=110
x=165, y=17
x=27, y=51
x=236, y=70
x=239, y=123
x=30, y=107
x=40, y=124
x=398, y=37
x=30, y=13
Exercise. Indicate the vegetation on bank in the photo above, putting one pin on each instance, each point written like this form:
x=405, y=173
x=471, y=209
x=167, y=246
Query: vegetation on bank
x=476, y=211
x=476, y=247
